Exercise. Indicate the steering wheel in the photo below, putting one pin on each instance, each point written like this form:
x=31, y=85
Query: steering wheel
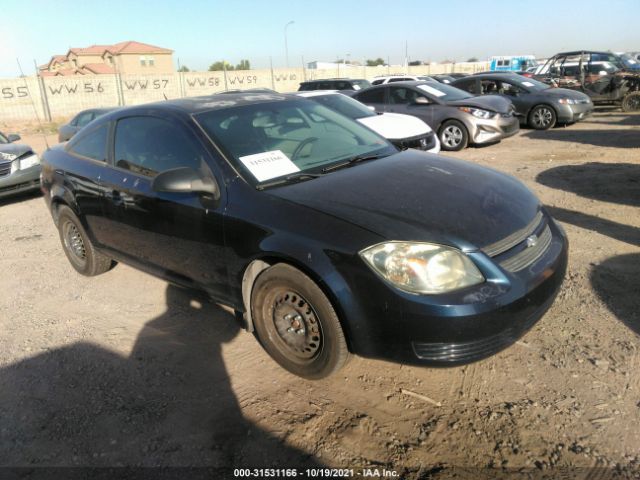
x=302, y=144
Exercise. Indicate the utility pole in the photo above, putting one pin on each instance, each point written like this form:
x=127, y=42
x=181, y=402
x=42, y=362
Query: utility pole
x=286, y=45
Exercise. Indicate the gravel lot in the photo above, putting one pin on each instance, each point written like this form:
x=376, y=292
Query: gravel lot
x=123, y=369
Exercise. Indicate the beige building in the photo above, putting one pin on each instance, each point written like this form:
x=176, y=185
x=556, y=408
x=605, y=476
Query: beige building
x=125, y=57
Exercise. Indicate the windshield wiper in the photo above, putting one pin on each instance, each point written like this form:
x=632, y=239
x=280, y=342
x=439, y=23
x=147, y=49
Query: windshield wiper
x=293, y=177
x=351, y=161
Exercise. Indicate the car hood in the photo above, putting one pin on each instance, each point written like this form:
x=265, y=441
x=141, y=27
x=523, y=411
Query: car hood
x=494, y=103
x=395, y=126
x=421, y=197
x=11, y=151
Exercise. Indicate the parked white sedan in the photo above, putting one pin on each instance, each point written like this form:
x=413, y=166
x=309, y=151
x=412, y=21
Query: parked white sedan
x=404, y=131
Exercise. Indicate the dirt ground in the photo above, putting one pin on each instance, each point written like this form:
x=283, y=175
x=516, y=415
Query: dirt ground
x=122, y=369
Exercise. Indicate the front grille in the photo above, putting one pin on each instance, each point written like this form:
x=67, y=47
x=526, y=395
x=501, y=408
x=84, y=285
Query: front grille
x=529, y=255
x=5, y=169
x=514, y=239
x=523, y=247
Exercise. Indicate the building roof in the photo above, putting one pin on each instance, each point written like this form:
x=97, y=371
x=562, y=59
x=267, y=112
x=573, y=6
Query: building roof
x=98, y=68
x=130, y=46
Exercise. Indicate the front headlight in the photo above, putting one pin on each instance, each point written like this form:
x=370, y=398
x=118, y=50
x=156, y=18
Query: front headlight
x=28, y=162
x=422, y=267
x=567, y=101
x=478, y=112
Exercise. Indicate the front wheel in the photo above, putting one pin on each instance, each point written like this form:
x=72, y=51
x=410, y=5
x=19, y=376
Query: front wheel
x=296, y=323
x=76, y=244
x=631, y=102
x=453, y=136
x=542, y=117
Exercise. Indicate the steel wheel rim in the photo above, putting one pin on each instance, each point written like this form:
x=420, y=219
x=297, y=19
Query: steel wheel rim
x=542, y=117
x=74, y=243
x=633, y=103
x=298, y=330
x=452, y=136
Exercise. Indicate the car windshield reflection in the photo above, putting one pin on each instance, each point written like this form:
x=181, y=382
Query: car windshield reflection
x=269, y=140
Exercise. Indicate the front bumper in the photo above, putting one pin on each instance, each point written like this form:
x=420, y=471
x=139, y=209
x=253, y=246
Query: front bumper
x=467, y=325
x=20, y=181
x=492, y=130
x=574, y=113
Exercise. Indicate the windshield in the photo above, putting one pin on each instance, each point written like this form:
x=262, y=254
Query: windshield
x=530, y=84
x=3, y=139
x=444, y=92
x=629, y=61
x=344, y=105
x=361, y=83
x=269, y=140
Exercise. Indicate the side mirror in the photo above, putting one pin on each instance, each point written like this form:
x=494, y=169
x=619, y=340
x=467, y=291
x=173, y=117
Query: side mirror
x=184, y=180
x=14, y=137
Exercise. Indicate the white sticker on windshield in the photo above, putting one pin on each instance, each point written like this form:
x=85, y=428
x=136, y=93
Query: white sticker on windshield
x=356, y=87
x=528, y=84
x=431, y=90
x=268, y=165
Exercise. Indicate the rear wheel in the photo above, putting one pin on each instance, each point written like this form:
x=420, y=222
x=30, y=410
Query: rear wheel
x=631, y=102
x=453, y=136
x=76, y=244
x=296, y=323
x=542, y=117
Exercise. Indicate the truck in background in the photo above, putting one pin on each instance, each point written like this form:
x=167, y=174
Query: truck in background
x=512, y=63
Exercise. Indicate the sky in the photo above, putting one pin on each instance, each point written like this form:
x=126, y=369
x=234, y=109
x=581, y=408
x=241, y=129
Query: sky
x=204, y=31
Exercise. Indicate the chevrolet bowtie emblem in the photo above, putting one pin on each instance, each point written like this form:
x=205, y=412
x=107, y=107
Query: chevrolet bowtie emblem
x=532, y=240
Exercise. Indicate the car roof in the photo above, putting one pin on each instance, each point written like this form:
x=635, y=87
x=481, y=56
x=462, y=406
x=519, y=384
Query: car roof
x=579, y=52
x=194, y=105
x=341, y=79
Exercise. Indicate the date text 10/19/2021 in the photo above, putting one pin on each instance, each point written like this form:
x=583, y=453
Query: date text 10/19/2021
x=315, y=473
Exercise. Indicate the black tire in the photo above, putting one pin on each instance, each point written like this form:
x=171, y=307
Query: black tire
x=296, y=323
x=631, y=102
x=453, y=136
x=77, y=247
x=542, y=117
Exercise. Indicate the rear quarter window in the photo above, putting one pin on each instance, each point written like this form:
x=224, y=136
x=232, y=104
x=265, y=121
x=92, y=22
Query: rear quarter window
x=92, y=144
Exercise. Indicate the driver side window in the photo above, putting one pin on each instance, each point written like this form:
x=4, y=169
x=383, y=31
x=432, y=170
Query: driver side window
x=403, y=96
x=150, y=145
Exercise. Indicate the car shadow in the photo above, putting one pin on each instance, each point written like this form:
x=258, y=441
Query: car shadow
x=616, y=138
x=607, y=182
x=20, y=197
x=620, y=118
x=618, y=231
x=616, y=281
x=169, y=403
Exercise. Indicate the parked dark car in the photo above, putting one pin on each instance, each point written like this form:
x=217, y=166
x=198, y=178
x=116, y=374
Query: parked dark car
x=19, y=166
x=446, y=79
x=325, y=237
x=537, y=104
x=334, y=84
x=65, y=132
x=601, y=75
x=458, y=117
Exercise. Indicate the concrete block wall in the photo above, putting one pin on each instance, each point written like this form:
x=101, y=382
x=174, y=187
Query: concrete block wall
x=56, y=97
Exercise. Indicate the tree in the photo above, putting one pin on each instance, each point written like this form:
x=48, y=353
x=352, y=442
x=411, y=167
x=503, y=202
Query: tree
x=375, y=63
x=243, y=65
x=220, y=65
x=184, y=68
x=472, y=59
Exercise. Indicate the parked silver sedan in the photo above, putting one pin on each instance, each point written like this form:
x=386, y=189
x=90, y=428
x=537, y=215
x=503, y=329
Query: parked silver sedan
x=19, y=166
x=458, y=117
x=65, y=132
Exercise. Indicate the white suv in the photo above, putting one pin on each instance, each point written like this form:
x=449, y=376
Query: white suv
x=401, y=78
